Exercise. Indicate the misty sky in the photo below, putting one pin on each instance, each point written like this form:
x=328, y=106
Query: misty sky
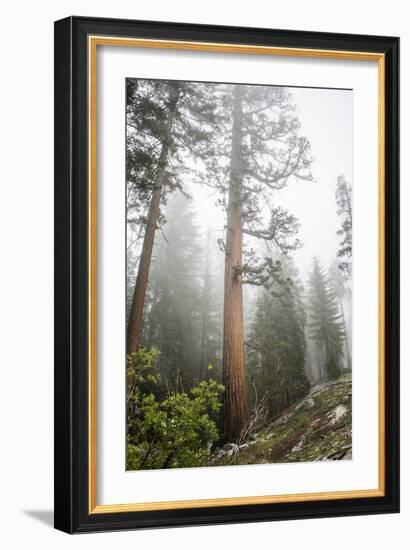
x=326, y=118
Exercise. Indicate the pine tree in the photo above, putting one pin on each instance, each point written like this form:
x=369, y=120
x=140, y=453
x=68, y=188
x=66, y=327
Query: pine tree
x=258, y=154
x=248, y=143
x=339, y=280
x=276, y=350
x=173, y=319
x=165, y=120
x=211, y=313
x=344, y=210
x=325, y=326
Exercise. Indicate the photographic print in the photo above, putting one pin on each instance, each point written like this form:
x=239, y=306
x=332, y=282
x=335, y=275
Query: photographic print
x=239, y=266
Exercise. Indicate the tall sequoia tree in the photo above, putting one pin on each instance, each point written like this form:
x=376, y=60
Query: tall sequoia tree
x=325, y=326
x=344, y=210
x=233, y=362
x=164, y=120
x=258, y=154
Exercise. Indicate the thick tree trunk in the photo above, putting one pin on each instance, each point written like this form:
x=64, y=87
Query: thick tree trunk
x=138, y=300
x=235, y=402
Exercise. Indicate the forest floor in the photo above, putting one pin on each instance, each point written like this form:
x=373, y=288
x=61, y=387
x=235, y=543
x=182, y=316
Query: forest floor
x=319, y=427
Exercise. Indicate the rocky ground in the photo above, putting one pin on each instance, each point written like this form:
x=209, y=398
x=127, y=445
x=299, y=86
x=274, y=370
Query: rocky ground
x=317, y=428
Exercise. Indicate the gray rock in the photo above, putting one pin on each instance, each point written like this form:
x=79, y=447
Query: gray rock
x=339, y=412
x=299, y=446
x=342, y=454
x=348, y=455
x=227, y=450
x=306, y=404
x=318, y=388
x=333, y=416
x=336, y=414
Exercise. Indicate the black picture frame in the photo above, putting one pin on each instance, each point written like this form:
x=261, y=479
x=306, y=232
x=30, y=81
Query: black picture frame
x=71, y=491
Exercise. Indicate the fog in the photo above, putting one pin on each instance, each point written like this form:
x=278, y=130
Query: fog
x=184, y=296
x=239, y=247
x=326, y=118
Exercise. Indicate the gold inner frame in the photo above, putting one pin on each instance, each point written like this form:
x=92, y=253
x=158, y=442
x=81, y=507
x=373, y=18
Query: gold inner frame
x=93, y=42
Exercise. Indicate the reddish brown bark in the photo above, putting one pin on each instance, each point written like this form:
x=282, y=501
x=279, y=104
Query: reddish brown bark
x=138, y=300
x=235, y=401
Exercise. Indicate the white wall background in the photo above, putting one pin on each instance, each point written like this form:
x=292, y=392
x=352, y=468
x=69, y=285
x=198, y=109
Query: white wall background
x=26, y=324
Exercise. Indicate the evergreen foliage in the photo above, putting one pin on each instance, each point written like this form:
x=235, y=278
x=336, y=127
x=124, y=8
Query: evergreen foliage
x=211, y=311
x=340, y=282
x=276, y=347
x=325, y=327
x=174, y=310
x=272, y=154
x=176, y=431
x=149, y=127
x=181, y=299
x=167, y=121
x=184, y=280
x=344, y=210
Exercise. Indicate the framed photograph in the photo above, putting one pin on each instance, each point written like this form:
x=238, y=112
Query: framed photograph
x=226, y=274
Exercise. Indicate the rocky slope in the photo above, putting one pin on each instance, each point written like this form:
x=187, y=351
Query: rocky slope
x=316, y=428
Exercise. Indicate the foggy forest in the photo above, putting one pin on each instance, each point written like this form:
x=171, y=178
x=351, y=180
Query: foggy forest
x=239, y=274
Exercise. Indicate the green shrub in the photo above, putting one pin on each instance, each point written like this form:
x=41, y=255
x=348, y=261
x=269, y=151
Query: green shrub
x=177, y=431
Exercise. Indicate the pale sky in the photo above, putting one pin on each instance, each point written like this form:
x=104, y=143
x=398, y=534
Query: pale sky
x=326, y=118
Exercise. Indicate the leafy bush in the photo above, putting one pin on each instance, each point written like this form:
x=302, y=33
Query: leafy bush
x=177, y=431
